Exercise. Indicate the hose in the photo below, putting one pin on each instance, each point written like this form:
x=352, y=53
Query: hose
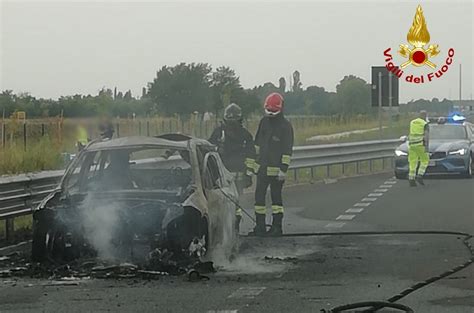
x=372, y=304
x=377, y=305
x=389, y=303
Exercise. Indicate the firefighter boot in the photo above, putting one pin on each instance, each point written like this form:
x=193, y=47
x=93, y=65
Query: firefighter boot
x=419, y=180
x=412, y=182
x=238, y=219
x=260, y=227
x=276, y=229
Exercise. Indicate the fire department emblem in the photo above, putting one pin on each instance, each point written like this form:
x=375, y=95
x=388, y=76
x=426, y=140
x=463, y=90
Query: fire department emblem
x=419, y=37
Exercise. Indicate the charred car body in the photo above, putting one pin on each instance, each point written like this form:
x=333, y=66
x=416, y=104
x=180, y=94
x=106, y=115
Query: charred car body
x=129, y=195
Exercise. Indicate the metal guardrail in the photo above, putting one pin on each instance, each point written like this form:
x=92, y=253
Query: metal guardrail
x=19, y=195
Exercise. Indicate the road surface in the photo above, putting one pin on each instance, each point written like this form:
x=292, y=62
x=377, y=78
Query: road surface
x=306, y=274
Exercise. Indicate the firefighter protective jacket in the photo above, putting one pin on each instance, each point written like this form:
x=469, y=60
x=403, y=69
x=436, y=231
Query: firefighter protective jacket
x=274, y=142
x=235, y=145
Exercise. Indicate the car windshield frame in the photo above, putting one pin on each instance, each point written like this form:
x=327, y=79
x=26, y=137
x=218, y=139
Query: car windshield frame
x=448, y=135
x=81, y=158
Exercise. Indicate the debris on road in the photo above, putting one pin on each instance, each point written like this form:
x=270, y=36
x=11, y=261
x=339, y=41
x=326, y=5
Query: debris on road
x=280, y=259
x=159, y=263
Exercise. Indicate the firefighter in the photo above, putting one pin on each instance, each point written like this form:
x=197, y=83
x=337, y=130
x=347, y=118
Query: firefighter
x=274, y=143
x=236, y=148
x=106, y=128
x=418, y=149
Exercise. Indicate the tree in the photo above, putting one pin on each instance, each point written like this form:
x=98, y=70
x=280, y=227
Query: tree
x=296, y=81
x=353, y=95
x=182, y=89
x=316, y=100
x=282, y=85
x=225, y=83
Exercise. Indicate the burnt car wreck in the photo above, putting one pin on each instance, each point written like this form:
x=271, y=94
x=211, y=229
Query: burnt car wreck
x=147, y=200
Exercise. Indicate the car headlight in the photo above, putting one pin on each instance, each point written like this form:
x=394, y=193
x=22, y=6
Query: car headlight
x=400, y=153
x=460, y=152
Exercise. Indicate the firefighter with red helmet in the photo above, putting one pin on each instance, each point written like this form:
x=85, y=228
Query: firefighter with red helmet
x=274, y=143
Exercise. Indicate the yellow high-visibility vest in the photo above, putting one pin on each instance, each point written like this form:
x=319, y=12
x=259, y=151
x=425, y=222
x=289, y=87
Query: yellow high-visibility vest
x=417, y=131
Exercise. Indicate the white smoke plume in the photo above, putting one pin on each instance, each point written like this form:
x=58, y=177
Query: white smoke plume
x=101, y=227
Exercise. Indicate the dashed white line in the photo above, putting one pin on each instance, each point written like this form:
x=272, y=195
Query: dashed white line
x=380, y=190
x=335, y=225
x=222, y=311
x=246, y=292
x=354, y=210
x=375, y=194
x=369, y=199
x=345, y=217
x=364, y=204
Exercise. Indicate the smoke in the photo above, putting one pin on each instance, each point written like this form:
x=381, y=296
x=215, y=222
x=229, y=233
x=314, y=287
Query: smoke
x=101, y=226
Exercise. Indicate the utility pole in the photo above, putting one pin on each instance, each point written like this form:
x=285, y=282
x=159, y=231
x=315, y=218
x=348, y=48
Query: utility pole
x=380, y=104
x=390, y=96
x=460, y=87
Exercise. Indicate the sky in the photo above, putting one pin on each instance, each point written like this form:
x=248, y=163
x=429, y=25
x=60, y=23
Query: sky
x=59, y=48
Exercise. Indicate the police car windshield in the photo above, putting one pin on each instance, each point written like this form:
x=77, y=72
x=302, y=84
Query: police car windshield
x=447, y=132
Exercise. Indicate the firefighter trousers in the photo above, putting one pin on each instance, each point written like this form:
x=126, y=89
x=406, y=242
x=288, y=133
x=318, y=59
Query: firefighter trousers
x=417, y=153
x=276, y=186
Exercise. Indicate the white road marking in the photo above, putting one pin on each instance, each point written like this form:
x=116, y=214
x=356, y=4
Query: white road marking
x=246, y=292
x=335, y=225
x=369, y=199
x=390, y=182
x=354, y=210
x=364, y=204
x=380, y=190
x=386, y=186
x=345, y=217
x=375, y=194
x=222, y=311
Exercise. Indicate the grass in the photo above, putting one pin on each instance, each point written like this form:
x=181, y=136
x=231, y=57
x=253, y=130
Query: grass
x=38, y=156
x=22, y=227
x=396, y=129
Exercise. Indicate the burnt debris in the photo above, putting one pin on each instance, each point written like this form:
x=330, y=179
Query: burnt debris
x=158, y=264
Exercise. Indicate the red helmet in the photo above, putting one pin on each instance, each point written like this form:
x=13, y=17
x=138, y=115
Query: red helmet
x=273, y=103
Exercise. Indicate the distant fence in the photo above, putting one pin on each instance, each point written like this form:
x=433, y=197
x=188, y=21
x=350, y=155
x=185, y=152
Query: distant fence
x=18, y=133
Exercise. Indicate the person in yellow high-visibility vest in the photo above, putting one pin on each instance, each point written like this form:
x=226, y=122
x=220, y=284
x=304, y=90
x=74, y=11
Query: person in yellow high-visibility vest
x=418, y=149
x=81, y=137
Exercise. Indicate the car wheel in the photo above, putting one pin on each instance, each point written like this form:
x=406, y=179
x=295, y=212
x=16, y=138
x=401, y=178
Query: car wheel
x=38, y=245
x=399, y=175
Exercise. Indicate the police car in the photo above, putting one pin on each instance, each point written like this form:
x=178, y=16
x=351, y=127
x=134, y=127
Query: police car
x=451, y=148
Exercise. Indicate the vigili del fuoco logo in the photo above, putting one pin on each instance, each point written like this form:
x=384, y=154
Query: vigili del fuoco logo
x=419, y=53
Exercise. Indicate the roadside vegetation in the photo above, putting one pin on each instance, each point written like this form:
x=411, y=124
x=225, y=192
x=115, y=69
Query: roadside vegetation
x=47, y=144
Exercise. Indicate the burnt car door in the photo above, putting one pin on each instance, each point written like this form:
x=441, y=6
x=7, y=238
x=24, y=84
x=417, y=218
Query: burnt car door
x=219, y=190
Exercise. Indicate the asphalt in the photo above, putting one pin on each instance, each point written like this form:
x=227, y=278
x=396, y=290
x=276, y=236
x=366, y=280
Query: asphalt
x=306, y=274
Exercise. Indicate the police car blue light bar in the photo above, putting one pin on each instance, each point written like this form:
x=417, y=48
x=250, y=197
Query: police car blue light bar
x=456, y=117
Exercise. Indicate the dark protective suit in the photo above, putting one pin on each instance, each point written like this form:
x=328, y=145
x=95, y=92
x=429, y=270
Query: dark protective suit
x=235, y=146
x=274, y=141
x=237, y=150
